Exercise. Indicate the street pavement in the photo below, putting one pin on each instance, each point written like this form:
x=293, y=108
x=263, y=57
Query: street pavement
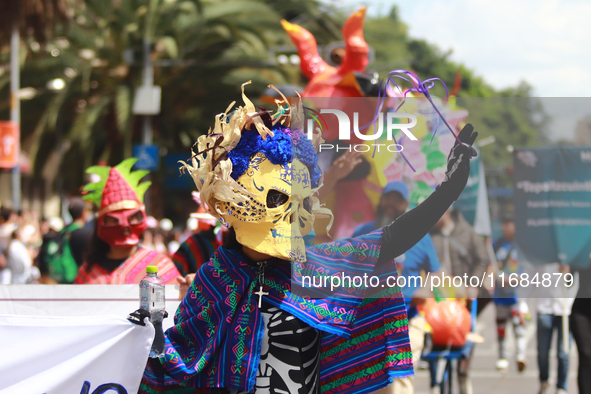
x=487, y=380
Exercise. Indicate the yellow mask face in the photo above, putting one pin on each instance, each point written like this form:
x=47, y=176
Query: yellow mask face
x=278, y=214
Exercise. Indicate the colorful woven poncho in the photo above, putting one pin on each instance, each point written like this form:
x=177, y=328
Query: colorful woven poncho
x=216, y=340
x=195, y=251
x=133, y=270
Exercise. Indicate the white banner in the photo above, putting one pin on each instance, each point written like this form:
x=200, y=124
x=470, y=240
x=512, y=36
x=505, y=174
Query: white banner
x=62, y=355
x=79, y=300
x=73, y=339
x=482, y=224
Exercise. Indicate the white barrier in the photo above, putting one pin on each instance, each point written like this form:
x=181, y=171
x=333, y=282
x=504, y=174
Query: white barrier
x=74, y=338
x=59, y=355
x=79, y=300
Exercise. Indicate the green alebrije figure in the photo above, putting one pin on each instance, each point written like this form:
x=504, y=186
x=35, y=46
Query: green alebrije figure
x=420, y=192
x=435, y=160
x=427, y=146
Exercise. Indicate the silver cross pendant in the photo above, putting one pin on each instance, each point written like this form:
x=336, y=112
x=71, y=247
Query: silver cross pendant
x=261, y=293
x=261, y=278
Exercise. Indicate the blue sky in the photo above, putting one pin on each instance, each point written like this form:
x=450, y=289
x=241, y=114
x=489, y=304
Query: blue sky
x=544, y=42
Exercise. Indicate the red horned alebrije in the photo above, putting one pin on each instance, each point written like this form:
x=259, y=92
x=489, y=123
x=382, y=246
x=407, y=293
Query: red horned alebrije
x=326, y=80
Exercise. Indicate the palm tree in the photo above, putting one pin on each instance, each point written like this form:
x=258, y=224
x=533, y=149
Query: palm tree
x=202, y=50
x=37, y=17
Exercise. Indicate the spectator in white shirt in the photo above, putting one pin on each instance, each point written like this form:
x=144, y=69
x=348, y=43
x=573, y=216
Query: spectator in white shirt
x=550, y=319
x=18, y=261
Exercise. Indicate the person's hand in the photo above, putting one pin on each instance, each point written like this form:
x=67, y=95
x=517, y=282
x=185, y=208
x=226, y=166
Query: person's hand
x=339, y=169
x=47, y=280
x=466, y=138
x=463, y=151
x=184, y=285
x=458, y=161
x=345, y=164
x=138, y=317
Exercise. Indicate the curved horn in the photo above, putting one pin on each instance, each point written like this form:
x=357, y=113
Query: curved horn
x=311, y=63
x=356, y=49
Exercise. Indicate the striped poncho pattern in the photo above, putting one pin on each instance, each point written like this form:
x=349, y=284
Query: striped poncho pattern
x=195, y=251
x=217, y=337
x=131, y=271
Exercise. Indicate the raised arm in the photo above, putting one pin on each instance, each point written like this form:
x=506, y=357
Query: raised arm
x=408, y=229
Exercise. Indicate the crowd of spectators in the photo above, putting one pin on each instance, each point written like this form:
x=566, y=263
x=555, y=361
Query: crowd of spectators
x=29, y=243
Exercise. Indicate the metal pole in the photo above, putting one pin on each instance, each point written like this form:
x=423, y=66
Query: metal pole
x=15, y=111
x=147, y=132
x=148, y=81
x=64, y=205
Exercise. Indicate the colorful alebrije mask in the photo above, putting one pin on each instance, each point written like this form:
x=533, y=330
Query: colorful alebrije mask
x=258, y=172
x=119, y=187
x=119, y=197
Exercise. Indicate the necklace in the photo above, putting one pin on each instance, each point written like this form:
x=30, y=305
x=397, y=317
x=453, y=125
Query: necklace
x=261, y=280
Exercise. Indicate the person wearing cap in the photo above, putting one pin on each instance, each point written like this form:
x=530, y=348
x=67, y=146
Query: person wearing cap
x=393, y=203
x=421, y=257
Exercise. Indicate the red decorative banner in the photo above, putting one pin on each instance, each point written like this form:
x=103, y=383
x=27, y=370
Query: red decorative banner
x=9, y=144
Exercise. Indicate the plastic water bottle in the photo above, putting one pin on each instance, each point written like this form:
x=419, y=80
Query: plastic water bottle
x=152, y=300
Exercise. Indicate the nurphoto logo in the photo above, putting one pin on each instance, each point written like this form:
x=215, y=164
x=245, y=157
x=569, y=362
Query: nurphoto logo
x=394, y=122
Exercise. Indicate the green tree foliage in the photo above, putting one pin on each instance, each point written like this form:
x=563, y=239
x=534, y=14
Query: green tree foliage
x=202, y=51
x=388, y=36
x=512, y=116
x=33, y=17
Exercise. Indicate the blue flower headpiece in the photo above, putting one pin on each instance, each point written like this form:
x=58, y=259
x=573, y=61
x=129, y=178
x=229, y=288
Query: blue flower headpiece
x=223, y=155
x=280, y=148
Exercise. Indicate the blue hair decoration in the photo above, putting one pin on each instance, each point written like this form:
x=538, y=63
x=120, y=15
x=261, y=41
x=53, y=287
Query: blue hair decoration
x=280, y=149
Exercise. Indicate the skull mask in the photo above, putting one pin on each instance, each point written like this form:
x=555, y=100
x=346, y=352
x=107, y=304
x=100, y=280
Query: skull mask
x=278, y=212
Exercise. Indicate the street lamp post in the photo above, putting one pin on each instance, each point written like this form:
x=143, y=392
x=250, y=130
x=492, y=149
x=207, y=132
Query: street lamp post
x=15, y=112
x=55, y=85
x=148, y=83
x=147, y=132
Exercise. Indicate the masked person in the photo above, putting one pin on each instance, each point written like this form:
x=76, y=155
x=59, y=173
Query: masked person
x=420, y=258
x=198, y=248
x=114, y=256
x=244, y=326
